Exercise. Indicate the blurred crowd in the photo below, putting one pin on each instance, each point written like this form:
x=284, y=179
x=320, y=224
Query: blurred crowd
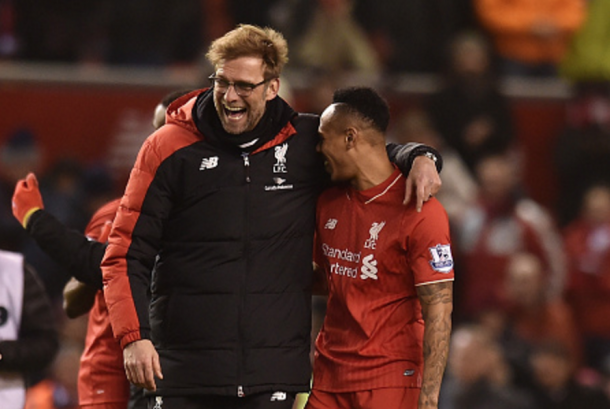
x=530, y=38
x=532, y=280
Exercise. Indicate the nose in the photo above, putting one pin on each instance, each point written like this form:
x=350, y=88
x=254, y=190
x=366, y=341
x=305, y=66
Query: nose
x=231, y=94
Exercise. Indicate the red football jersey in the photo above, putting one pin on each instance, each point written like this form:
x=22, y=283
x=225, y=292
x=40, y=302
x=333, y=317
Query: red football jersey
x=375, y=252
x=101, y=377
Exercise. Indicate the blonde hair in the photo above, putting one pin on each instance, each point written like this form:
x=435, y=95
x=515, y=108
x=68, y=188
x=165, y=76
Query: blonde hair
x=251, y=41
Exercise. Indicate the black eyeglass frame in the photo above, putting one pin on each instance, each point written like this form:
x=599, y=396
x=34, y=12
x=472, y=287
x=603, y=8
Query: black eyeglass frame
x=243, y=89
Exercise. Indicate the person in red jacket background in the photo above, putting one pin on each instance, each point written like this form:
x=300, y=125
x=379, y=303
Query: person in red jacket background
x=587, y=244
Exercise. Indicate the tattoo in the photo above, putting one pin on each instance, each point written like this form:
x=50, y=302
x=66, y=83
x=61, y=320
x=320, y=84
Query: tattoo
x=439, y=293
x=437, y=304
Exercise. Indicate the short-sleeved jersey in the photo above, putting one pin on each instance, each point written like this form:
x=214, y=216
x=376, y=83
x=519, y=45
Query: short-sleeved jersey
x=375, y=252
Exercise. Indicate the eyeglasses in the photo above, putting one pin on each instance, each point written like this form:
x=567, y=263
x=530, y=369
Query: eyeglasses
x=243, y=89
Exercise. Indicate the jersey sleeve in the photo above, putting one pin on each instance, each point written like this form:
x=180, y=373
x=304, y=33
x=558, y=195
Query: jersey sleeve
x=429, y=244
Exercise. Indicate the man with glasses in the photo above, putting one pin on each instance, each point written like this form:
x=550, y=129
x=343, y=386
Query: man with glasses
x=217, y=223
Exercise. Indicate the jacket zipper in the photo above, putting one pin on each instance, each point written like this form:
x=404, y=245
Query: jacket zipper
x=240, y=388
x=246, y=158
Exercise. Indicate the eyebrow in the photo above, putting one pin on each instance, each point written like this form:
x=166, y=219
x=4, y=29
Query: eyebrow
x=222, y=77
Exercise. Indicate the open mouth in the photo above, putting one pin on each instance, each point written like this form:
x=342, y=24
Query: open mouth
x=327, y=167
x=234, y=113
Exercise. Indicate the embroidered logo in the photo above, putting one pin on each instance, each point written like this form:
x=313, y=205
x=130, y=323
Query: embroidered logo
x=369, y=268
x=331, y=224
x=209, y=163
x=442, y=261
x=280, y=156
x=158, y=402
x=371, y=242
x=409, y=372
x=277, y=396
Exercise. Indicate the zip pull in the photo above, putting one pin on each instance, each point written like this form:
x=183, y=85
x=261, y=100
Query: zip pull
x=246, y=158
x=240, y=391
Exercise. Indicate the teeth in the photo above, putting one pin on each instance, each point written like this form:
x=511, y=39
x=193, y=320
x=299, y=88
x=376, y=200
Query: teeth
x=234, y=109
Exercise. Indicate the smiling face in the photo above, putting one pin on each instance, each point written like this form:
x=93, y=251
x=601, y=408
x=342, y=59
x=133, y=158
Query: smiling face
x=333, y=145
x=241, y=114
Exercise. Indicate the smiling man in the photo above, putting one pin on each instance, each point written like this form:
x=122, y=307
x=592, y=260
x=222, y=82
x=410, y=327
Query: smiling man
x=221, y=206
x=388, y=268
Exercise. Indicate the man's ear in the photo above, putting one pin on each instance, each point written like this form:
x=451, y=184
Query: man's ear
x=272, y=89
x=350, y=137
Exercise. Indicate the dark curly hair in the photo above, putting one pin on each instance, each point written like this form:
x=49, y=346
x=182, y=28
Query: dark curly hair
x=366, y=103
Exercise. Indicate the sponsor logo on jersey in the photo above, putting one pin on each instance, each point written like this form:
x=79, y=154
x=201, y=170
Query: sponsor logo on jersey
x=371, y=242
x=209, y=163
x=442, y=261
x=341, y=254
x=369, y=268
x=409, y=372
x=279, y=185
x=331, y=224
x=280, y=156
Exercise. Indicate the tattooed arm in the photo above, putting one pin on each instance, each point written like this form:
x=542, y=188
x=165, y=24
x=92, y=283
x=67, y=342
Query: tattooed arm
x=437, y=303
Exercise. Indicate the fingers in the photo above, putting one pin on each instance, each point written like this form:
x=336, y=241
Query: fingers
x=149, y=377
x=141, y=375
x=408, y=191
x=435, y=186
x=422, y=196
x=141, y=363
x=31, y=181
x=157, y=367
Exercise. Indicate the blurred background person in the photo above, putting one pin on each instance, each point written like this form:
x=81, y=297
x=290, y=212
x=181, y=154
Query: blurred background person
x=531, y=37
x=582, y=147
x=555, y=386
x=58, y=390
x=586, y=59
x=468, y=111
x=28, y=333
x=459, y=189
x=532, y=316
x=412, y=36
x=334, y=41
x=502, y=222
x=478, y=376
x=587, y=245
x=19, y=154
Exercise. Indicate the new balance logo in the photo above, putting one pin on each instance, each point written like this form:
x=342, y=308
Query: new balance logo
x=278, y=396
x=209, y=163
